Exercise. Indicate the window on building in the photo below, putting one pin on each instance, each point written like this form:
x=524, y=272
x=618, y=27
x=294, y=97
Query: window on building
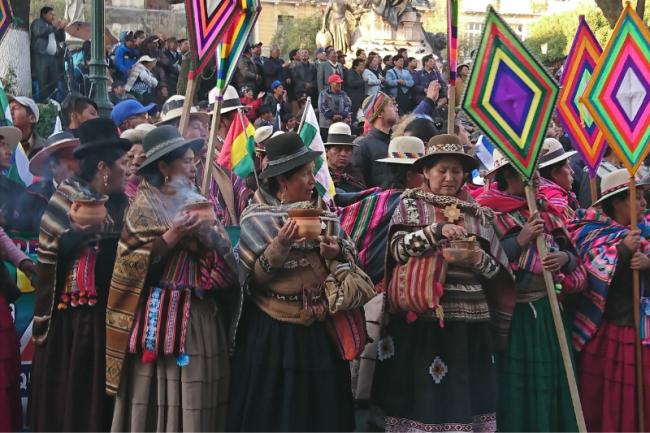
x=474, y=33
x=519, y=30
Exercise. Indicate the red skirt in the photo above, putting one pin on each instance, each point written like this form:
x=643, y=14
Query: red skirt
x=607, y=379
x=11, y=408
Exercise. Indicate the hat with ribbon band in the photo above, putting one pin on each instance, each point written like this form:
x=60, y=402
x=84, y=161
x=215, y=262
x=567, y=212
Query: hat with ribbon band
x=446, y=145
x=404, y=150
x=614, y=183
x=285, y=152
x=161, y=141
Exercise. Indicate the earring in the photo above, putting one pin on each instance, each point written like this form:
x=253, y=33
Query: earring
x=105, y=180
x=284, y=193
x=166, y=179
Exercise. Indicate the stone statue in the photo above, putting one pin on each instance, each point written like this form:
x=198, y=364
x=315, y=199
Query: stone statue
x=74, y=10
x=390, y=10
x=339, y=26
x=437, y=41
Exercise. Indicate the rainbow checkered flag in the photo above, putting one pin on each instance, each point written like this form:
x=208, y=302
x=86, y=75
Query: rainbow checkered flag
x=310, y=133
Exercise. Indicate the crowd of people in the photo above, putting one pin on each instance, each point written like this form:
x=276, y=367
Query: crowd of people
x=148, y=316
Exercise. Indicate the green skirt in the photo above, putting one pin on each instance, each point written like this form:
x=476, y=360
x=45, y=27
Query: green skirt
x=533, y=389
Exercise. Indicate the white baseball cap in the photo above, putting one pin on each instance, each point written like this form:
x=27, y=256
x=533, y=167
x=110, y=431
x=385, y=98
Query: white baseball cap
x=25, y=102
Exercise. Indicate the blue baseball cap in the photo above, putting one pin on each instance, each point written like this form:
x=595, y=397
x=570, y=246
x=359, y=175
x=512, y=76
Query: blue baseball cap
x=320, y=50
x=128, y=108
x=275, y=84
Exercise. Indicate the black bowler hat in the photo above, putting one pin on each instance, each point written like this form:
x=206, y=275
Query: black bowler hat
x=285, y=152
x=161, y=141
x=95, y=134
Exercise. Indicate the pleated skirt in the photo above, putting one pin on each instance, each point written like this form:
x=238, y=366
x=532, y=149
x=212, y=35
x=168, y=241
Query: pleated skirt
x=607, y=380
x=288, y=377
x=533, y=388
x=162, y=396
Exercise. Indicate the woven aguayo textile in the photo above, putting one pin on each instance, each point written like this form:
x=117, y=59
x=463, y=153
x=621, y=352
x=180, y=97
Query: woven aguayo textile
x=562, y=201
x=54, y=224
x=418, y=208
x=366, y=218
x=511, y=213
x=597, y=237
x=148, y=218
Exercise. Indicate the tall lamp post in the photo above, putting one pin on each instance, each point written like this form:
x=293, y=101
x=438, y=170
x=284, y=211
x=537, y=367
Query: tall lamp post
x=98, y=69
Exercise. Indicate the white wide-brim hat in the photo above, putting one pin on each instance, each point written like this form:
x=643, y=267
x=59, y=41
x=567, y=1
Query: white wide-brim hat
x=404, y=150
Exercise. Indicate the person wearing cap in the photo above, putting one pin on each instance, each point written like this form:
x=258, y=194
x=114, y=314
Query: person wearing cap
x=277, y=325
x=76, y=110
x=247, y=98
x=278, y=96
x=265, y=116
x=136, y=156
x=118, y=93
x=175, y=59
x=54, y=164
x=10, y=191
x=126, y=56
x=530, y=369
x=184, y=259
x=131, y=113
x=605, y=315
x=557, y=178
x=247, y=73
x=303, y=76
x=381, y=115
x=276, y=69
x=141, y=80
x=228, y=191
x=437, y=346
x=75, y=265
x=321, y=56
x=338, y=148
x=334, y=105
x=257, y=57
x=25, y=115
x=326, y=69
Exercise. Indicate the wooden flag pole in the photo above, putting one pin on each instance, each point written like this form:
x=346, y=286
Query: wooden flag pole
x=187, y=104
x=635, y=302
x=209, y=159
x=594, y=190
x=557, y=319
x=451, y=115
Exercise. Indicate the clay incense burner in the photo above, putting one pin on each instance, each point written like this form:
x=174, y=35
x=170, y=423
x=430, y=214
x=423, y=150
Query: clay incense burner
x=203, y=209
x=461, y=252
x=308, y=221
x=88, y=211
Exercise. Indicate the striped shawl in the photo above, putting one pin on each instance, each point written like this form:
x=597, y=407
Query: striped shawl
x=148, y=218
x=418, y=208
x=54, y=224
x=597, y=237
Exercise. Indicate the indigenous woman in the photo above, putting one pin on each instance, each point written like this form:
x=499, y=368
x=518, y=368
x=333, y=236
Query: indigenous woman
x=604, y=328
x=435, y=370
x=11, y=409
x=366, y=218
x=533, y=388
x=136, y=156
x=556, y=178
x=75, y=264
x=171, y=263
x=287, y=373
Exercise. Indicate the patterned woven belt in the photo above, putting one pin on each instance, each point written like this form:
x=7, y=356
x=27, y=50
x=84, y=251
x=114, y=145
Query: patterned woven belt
x=286, y=298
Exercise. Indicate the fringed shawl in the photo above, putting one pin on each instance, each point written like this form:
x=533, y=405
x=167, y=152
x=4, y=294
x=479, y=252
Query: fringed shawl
x=261, y=223
x=511, y=213
x=418, y=208
x=597, y=237
x=56, y=223
x=366, y=221
x=149, y=217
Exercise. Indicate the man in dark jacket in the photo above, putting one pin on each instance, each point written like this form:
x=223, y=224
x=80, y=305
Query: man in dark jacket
x=355, y=85
x=247, y=73
x=276, y=69
x=339, y=148
x=45, y=50
x=278, y=96
x=303, y=75
x=380, y=112
x=424, y=77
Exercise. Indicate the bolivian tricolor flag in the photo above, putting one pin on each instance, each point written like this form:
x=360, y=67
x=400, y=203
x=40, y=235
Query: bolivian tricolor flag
x=239, y=147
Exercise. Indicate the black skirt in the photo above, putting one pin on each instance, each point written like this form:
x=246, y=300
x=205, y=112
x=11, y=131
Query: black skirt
x=429, y=378
x=287, y=377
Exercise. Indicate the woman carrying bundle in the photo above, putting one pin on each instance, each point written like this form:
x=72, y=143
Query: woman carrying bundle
x=435, y=369
x=557, y=178
x=167, y=351
x=287, y=374
x=533, y=388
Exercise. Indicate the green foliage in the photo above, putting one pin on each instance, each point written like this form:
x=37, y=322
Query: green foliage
x=298, y=33
x=46, y=119
x=558, y=31
x=10, y=81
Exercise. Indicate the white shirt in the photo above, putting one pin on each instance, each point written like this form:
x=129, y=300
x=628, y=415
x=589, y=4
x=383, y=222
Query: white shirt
x=51, y=45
